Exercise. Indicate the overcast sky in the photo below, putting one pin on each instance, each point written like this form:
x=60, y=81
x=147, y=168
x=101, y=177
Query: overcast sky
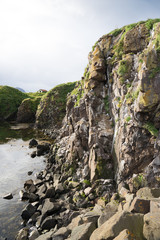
x=46, y=42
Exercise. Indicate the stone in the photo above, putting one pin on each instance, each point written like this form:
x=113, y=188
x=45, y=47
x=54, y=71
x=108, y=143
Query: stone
x=48, y=223
x=83, y=232
x=33, y=233
x=148, y=193
x=140, y=206
x=155, y=205
x=22, y=234
x=8, y=196
x=45, y=236
x=33, y=143
x=33, y=154
x=75, y=222
x=109, y=210
x=50, y=193
x=28, y=211
x=61, y=233
x=117, y=223
x=125, y=235
x=151, y=229
x=90, y=217
x=43, y=149
x=50, y=208
x=73, y=184
x=87, y=191
x=28, y=184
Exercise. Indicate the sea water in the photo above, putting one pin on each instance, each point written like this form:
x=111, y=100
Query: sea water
x=15, y=163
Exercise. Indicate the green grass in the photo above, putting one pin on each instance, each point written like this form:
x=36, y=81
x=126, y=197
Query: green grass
x=128, y=119
x=52, y=107
x=78, y=91
x=150, y=22
x=151, y=128
x=10, y=100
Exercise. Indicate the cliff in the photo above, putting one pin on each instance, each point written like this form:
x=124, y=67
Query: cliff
x=102, y=179
x=112, y=116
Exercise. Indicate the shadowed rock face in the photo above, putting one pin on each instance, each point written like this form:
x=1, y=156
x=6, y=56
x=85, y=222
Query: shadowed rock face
x=112, y=115
x=52, y=108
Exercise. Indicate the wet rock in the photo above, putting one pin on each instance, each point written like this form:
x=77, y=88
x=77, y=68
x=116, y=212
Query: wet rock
x=30, y=173
x=33, y=154
x=33, y=143
x=8, y=196
x=28, y=211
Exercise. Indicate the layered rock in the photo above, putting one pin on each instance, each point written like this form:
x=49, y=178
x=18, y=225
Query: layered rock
x=112, y=116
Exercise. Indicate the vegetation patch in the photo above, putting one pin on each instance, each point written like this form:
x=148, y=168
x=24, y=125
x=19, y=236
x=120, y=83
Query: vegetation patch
x=154, y=72
x=151, y=128
x=10, y=100
x=150, y=22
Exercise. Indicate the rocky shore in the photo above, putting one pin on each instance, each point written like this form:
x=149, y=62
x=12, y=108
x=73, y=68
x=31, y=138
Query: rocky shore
x=60, y=207
x=102, y=176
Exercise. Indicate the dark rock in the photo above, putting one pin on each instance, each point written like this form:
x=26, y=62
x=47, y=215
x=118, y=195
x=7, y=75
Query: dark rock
x=8, y=196
x=50, y=193
x=30, y=173
x=28, y=184
x=140, y=206
x=43, y=149
x=33, y=154
x=33, y=143
x=28, y=211
x=48, y=223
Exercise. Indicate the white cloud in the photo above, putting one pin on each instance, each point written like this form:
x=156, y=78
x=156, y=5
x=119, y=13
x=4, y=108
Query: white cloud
x=46, y=42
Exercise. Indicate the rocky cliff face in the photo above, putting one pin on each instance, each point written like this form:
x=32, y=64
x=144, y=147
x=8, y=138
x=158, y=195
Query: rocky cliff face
x=112, y=116
x=52, y=109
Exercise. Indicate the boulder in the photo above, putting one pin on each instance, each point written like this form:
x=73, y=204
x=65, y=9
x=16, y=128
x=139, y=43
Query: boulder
x=28, y=211
x=33, y=143
x=62, y=233
x=151, y=229
x=148, y=193
x=50, y=193
x=140, y=206
x=155, y=205
x=22, y=234
x=83, y=232
x=33, y=233
x=48, y=223
x=125, y=235
x=43, y=149
x=8, y=196
x=117, y=223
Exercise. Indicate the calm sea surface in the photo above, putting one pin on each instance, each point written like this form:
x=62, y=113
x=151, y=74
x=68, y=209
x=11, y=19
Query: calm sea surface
x=15, y=162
